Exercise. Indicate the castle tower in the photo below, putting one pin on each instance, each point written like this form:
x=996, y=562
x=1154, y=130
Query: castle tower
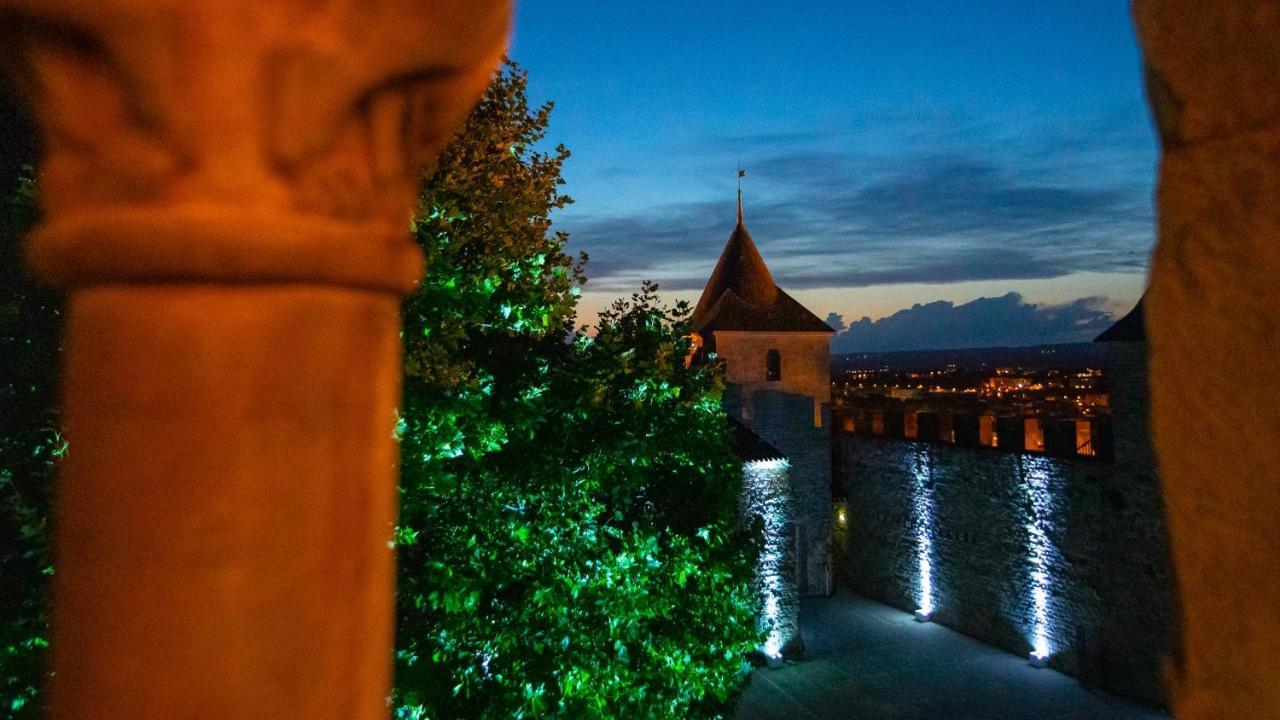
x=777, y=355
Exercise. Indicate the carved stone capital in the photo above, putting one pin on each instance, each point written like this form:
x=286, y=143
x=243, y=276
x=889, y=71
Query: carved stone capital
x=243, y=116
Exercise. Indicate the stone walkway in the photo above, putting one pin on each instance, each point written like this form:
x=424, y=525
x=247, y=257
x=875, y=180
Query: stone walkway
x=866, y=660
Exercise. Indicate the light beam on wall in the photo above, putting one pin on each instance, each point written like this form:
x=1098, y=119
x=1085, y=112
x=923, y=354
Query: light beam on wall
x=767, y=496
x=923, y=507
x=1038, y=549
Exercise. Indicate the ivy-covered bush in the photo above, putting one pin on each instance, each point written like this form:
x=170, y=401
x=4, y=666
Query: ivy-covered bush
x=569, y=542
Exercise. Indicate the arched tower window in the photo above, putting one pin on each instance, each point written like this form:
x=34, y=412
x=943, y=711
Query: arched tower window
x=773, y=366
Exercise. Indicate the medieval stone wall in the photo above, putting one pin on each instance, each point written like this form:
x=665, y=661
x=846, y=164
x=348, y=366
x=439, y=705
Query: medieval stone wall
x=1019, y=550
x=784, y=420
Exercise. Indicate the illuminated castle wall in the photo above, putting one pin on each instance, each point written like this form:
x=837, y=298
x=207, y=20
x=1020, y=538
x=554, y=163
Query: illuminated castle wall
x=767, y=499
x=1060, y=558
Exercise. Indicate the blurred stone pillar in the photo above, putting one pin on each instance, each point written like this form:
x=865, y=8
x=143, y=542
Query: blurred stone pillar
x=227, y=187
x=1213, y=77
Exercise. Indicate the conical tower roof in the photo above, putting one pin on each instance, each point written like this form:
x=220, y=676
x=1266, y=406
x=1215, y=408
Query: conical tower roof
x=742, y=270
x=741, y=294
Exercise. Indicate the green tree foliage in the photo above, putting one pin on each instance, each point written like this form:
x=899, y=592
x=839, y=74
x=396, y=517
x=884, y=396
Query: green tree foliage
x=30, y=446
x=569, y=544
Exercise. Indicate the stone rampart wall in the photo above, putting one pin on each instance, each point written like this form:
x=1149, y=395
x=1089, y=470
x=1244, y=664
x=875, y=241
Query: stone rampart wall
x=1026, y=552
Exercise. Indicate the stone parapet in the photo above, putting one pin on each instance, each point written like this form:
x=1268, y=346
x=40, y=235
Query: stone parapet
x=1032, y=554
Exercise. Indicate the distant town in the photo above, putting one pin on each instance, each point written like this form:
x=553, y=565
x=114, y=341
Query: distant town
x=1050, y=399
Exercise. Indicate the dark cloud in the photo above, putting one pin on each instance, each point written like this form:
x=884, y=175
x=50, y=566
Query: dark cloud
x=825, y=218
x=941, y=196
x=986, y=322
x=941, y=219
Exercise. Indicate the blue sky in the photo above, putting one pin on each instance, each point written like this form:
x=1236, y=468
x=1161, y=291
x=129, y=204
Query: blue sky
x=897, y=152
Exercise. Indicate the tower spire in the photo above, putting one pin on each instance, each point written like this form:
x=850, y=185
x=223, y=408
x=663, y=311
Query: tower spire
x=741, y=174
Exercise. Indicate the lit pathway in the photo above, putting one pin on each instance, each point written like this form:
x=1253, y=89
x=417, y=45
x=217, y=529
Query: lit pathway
x=866, y=660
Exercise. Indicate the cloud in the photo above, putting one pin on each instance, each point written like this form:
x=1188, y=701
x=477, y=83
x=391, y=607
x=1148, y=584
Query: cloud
x=836, y=321
x=828, y=213
x=986, y=322
x=957, y=195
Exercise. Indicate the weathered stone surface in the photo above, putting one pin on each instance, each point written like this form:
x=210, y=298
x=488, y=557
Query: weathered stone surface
x=1213, y=323
x=1211, y=65
x=227, y=187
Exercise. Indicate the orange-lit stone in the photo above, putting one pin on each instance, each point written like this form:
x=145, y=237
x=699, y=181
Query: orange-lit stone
x=1033, y=434
x=227, y=187
x=1214, y=85
x=225, y=512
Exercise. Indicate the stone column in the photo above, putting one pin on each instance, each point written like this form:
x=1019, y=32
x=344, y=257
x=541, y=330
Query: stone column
x=227, y=187
x=1213, y=77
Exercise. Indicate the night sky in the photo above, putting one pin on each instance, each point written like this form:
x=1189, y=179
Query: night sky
x=897, y=153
